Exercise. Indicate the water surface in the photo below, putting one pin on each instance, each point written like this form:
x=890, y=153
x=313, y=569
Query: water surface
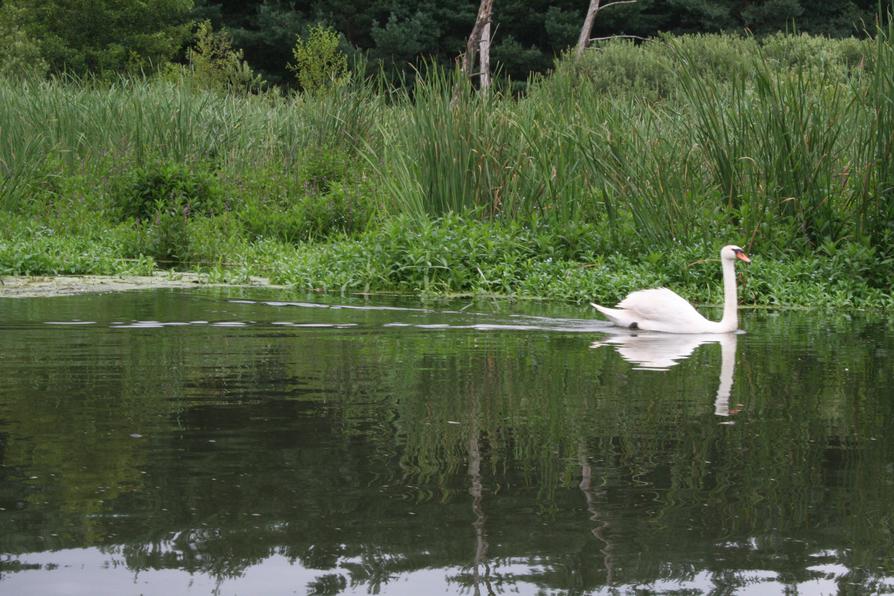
x=164, y=442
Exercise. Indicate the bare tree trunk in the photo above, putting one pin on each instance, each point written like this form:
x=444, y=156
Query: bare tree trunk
x=482, y=22
x=595, y=6
x=584, y=40
x=484, y=60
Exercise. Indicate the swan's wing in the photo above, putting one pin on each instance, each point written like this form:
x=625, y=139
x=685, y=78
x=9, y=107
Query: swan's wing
x=659, y=304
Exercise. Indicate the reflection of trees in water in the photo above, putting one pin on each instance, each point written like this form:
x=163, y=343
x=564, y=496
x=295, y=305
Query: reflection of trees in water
x=322, y=450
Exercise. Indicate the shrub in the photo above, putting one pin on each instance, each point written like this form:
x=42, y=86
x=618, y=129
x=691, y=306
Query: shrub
x=621, y=68
x=169, y=188
x=321, y=169
x=166, y=238
x=344, y=209
x=808, y=52
x=215, y=64
x=319, y=63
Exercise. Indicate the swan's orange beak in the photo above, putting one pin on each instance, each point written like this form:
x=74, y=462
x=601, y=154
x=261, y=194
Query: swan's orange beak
x=740, y=254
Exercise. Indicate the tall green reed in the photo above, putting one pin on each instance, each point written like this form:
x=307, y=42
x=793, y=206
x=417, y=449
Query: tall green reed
x=448, y=149
x=87, y=128
x=773, y=143
x=871, y=175
x=649, y=172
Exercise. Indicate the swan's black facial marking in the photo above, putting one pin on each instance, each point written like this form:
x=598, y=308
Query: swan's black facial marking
x=634, y=325
x=740, y=254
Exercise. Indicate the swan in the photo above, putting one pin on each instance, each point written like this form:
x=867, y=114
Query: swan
x=663, y=310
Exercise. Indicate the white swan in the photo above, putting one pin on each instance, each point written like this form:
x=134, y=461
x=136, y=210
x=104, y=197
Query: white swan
x=663, y=310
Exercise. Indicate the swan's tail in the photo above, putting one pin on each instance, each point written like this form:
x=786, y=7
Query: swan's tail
x=618, y=316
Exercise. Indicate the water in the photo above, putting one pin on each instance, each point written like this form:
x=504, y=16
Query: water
x=188, y=442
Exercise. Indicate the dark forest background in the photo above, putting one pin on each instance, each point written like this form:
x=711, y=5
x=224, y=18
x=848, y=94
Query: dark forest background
x=81, y=36
x=528, y=33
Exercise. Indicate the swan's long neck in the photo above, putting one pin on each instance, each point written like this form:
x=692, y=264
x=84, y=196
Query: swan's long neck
x=730, y=320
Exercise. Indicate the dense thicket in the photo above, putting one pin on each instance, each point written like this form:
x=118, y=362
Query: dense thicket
x=111, y=36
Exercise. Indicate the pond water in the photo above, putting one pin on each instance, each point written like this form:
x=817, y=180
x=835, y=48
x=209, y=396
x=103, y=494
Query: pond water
x=259, y=442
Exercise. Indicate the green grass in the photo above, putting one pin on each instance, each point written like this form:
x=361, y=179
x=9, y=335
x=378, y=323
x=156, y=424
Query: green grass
x=616, y=171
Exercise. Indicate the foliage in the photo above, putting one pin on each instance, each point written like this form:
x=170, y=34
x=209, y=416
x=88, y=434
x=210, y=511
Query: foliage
x=319, y=63
x=30, y=247
x=215, y=64
x=168, y=188
x=453, y=255
x=103, y=36
x=392, y=33
x=163, y=198
x=19, y=52
x=398, y=33
x=342, y=209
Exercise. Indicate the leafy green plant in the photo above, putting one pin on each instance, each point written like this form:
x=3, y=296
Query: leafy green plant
x=166, y=237
x=215, y=64
x=321, y=169
x=168, y=188
x=320, y=65
x=343, y=209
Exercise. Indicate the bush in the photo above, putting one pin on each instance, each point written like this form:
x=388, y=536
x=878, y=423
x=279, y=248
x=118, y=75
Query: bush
x=321, y=169
x=344, y=209
x=714, y=57
x=166, y=238
x=163, y=198
x=808, y=52
x=168, y=188
x=215, y=64
x=622, y=68
x=319, y=63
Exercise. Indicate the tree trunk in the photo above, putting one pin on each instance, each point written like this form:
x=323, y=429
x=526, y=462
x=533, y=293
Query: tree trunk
x=584, y=40
x=482, y=21
x=595, y=6
x=484, y=60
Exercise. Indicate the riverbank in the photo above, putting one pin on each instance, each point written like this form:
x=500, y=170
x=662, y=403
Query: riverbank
x=453, y=257
x=68, y=285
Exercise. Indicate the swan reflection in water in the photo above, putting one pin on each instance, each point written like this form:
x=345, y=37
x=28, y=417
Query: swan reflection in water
x=660, y=351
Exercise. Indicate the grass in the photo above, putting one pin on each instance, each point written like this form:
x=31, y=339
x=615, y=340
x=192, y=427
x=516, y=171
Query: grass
x=624, y=169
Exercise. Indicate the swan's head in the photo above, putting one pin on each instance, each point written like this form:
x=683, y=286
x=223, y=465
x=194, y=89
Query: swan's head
x=732, y=252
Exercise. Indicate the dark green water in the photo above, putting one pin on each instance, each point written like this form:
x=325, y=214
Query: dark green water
x=171, y=442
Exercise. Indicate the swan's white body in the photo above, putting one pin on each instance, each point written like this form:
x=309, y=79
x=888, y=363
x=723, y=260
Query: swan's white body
x=663, y=310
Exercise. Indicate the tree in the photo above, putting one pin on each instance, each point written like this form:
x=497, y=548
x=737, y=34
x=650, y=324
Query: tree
x=99, y=36
x=595, y=6
x=319, y=64
x=19, y=52
x=397, y=34
x=215, y=64
x=479, y=40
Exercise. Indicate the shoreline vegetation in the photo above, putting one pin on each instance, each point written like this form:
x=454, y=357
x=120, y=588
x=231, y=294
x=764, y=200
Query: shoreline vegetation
x=624, y=169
